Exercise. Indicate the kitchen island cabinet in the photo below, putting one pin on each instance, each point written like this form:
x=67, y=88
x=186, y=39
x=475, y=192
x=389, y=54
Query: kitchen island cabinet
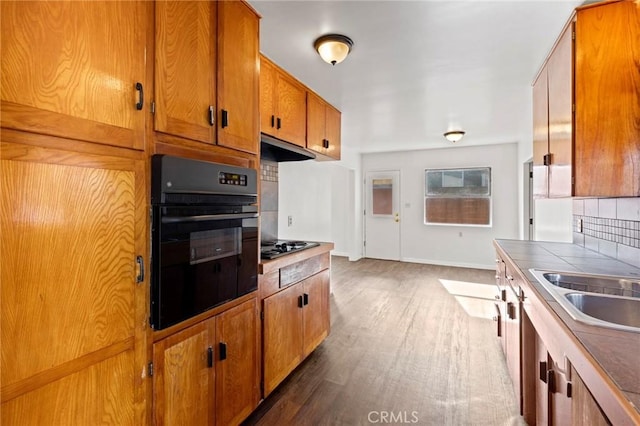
x=585, y=109
x=295, y=308
x=206, y=74
x=604, y=359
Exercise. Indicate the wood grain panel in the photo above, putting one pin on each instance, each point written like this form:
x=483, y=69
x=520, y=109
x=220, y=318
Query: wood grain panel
x=238, y=74
x=282, y=334
x=607, y=93
x=75, y=63
x=185, y=68
x=316, y=313
x=540, y=135
x=183, y=383
x=316, y=121
x=78, y=297
x=300, y=270
x=292, y=110
x=584, y=409
x=560, y=72
x=333, y=132
x=238, y=376
x=100, y=394
x=267, y=96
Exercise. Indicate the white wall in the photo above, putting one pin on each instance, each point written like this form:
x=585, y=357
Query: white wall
x=453, y=245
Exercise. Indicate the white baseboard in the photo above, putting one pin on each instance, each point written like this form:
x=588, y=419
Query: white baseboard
x=447, y=263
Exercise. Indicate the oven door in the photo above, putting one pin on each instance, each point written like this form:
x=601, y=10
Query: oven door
x=200, y=261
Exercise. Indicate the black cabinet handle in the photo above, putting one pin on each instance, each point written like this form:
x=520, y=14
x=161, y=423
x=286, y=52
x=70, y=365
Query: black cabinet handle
x=325, y=143
x=279, y=123
x=223, y=351
x=551, y=381
x=300, y=301
x=140, y=262
x=140, y=102
x=273, y=119
x=511, y=310
x=212, y=116
x=543, y=371
x=305, y=299
x=209, y=357
x=225, y=118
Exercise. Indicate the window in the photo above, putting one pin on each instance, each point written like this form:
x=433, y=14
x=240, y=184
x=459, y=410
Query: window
x=458, y=196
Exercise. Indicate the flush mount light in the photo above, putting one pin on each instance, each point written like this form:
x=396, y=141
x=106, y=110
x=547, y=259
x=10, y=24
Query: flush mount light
x=454, y=135
x=333, y=48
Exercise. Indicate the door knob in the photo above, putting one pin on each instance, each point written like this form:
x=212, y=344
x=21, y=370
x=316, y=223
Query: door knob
x=397, y=217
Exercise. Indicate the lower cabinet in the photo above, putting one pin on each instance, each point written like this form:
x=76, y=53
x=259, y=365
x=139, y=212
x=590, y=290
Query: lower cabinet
x=585, y=410
x=208, y=374
x=296, y=321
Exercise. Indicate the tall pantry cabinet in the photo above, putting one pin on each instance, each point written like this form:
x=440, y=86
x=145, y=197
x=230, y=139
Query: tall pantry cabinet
x=77, y=130
x=73, y=233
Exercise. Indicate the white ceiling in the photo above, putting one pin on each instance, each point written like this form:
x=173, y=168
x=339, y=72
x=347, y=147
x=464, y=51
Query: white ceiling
x=419, y=68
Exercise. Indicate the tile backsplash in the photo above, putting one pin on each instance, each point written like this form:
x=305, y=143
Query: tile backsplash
x=610, y=226
x=268, y=200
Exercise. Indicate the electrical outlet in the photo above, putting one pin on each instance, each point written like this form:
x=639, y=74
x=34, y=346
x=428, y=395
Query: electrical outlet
x=289, y=220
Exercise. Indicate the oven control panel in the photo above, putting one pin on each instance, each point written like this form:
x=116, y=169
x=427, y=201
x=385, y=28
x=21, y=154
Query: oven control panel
x=225, y=178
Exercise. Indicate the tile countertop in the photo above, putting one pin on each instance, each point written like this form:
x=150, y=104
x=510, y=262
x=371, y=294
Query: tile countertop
x=268, y=265
x=616, y=352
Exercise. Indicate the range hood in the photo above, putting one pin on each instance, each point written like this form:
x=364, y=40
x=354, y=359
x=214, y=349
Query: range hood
x=272, y=149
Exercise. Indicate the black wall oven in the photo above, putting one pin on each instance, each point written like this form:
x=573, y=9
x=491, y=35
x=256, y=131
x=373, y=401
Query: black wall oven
x=204, y=237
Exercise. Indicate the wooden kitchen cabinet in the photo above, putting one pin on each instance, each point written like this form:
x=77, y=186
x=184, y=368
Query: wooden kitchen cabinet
x=553, y=121
x=296, y=321
x=587, y=119
x=607, y=147
x=206, y=73
x=584, y=409
x=74, y=334
x=75, y=69
x=209, y=373
x=323, y=127
x=283, y=104
x=512, y=331
x=500, y=303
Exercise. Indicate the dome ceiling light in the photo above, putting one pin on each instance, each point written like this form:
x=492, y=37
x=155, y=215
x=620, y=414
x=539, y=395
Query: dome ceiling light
x=333, y=48
x=454, y=135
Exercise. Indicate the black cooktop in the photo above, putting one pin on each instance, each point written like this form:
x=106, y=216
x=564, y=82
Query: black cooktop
x=273, y=249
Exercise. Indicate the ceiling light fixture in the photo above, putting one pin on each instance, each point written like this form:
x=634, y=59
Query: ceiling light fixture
x=333, y=48
x=454, y=135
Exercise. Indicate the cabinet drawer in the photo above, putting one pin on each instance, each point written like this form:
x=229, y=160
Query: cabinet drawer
x=298, y=271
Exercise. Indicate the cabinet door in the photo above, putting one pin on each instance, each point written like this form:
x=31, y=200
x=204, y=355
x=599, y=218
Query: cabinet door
x=607, y=107
x=183, y=381
x=316, y=122
x=238, y=73
x=584, y=409
x=267, y=97
x=70, y=69
x=540, y=136
x=282, y=334
x=316, y=311
x=513, y=335
x=542, y=390
x=72, y=226
x=292, y=110
x=185, y=69
x=560, y=83
x=237, y=369
x=333, y=124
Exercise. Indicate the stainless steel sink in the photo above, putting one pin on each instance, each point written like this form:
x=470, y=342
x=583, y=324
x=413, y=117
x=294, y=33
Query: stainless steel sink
x=605, y=301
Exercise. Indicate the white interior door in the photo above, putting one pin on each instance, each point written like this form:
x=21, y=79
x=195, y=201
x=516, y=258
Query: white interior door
x=382, y=215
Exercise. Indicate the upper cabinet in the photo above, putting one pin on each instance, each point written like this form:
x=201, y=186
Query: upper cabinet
x=282, y=104
x=553, y=121
x=607, y=85
x=78, y=63
x=590, y=112
x=323, y=127
x=206, y=73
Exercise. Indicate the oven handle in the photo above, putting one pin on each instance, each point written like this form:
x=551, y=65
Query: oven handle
x=204, y=217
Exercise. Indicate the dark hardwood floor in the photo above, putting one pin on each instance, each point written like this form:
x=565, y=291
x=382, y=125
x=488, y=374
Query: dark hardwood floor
x=409, y=344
